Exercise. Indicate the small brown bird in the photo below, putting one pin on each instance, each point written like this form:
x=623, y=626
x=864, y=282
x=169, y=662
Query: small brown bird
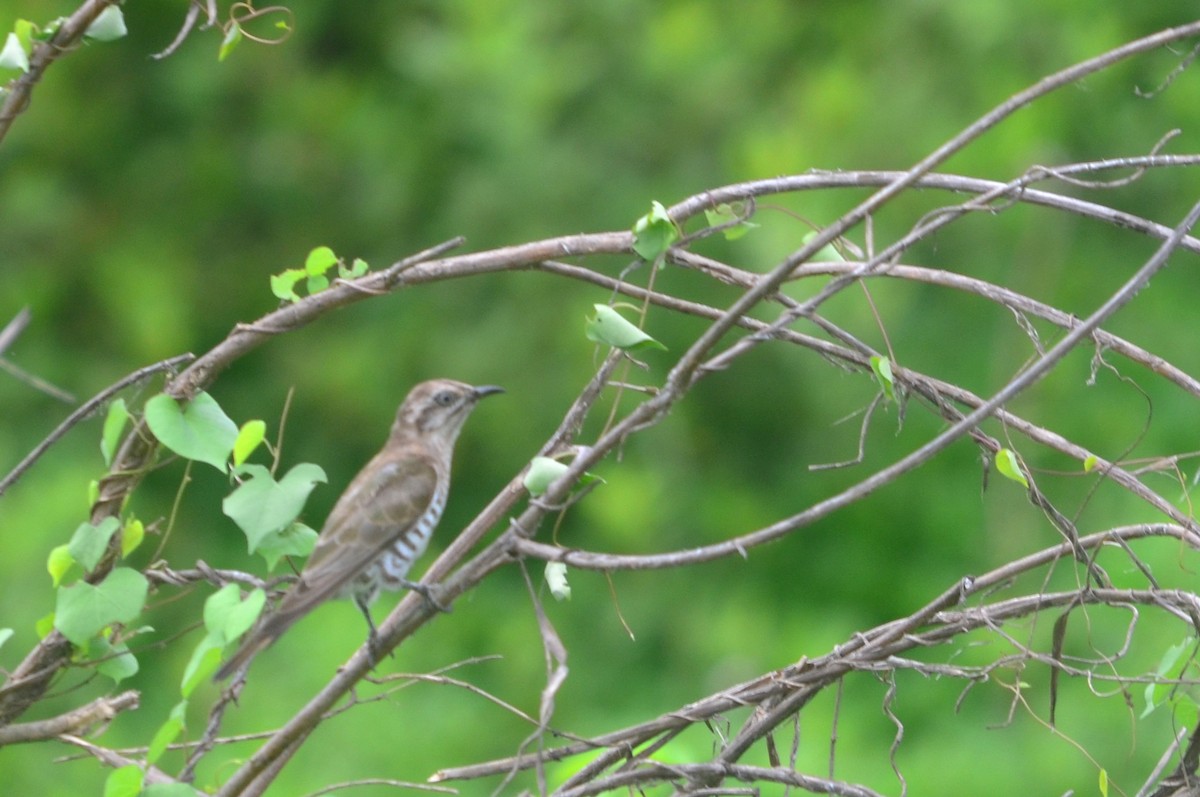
x=384, y=519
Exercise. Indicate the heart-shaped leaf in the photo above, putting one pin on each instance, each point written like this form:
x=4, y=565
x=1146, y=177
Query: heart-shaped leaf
x=200, y=430
x=227, y=616
x=89, y=542
x=261, y=506
x=83, y=609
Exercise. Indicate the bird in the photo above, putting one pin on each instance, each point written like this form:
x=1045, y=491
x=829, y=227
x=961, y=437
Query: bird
x=383, y=521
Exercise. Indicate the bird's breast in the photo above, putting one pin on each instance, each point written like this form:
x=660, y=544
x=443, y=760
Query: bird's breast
x=392, y=566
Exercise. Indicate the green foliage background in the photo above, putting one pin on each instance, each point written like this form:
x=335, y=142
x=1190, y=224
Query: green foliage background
x=144, y=203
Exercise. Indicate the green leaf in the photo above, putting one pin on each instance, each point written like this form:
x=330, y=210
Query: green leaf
x=93, y=491
x=13, y=55
x=1157, y=692
x=206, y=658
x=26, y=32
x=556, y=579
x=108, y=26
x=1185, y=710
x=1009, y=466
x=59, y=563
x=168, y=732
x=5, y=635
x=316, y=284
x=610, y=327
x=89, y=542
x=1103, y=782
x=727, y=213
x=283, y=284
x=200, y=431
x=357, y=269
x=227, y=615
x=83, y=610
x=115, y=661
x=654, y=233
x=46, y=31
x=827, y=253
x=1089, y=463
x=250, y=436
x=542, y=472
x=124, y=782
x=114, y=424
x=232, y=37
x=296, y=540
x=169, y=790
x=132, y=536
x=319, y=261
x=44, y=625
x=882, y=367
x=261, y=506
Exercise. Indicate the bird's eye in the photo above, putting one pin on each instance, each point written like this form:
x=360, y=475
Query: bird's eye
x=444, y=399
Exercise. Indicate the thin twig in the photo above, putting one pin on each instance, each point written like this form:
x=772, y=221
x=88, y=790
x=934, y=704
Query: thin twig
x=85, y=410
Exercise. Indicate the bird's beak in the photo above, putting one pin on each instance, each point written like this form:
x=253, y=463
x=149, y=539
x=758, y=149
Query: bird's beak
x=486, y=390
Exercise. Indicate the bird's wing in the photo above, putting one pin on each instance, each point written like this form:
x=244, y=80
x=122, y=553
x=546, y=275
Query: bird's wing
x=386, y=498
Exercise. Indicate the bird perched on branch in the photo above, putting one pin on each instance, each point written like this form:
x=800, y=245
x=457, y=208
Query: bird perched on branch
x=384, y=519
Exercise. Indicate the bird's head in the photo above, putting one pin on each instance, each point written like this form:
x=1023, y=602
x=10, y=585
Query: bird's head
x=438, y=408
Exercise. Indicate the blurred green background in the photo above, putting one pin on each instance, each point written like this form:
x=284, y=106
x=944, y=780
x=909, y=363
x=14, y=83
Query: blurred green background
x=143, y=205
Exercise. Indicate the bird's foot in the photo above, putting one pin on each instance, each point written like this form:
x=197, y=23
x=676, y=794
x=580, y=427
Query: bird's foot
x=375, y=648
x=424, y=591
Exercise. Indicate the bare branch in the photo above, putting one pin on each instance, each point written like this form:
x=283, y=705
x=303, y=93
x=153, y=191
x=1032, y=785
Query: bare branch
x=100, y=711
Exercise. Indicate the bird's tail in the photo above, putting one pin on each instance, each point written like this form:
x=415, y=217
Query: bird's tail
x=254, y=644
x=259, y=639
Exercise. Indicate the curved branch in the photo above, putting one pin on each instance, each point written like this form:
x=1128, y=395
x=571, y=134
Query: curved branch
x=876, y=645
x=66, y=38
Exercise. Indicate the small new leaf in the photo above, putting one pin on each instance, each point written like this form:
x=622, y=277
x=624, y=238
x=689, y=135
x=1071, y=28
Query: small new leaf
x=356, y=269
x=610, y=327
x=13, y=55
x=26, y=32
x=250, y=436
x=132, y=536
x=556, y=580
x=283, y=284
x=59, y=563
x=1010, y=467
x=544, y=470
x=108, y=26
x=319, y=261
x=654, y=233
x=827, y=253
x=1168, y=671
x=114, y=424
x=1090, y=463
x=882, y=367
x=731, y=214
x=233, y=36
